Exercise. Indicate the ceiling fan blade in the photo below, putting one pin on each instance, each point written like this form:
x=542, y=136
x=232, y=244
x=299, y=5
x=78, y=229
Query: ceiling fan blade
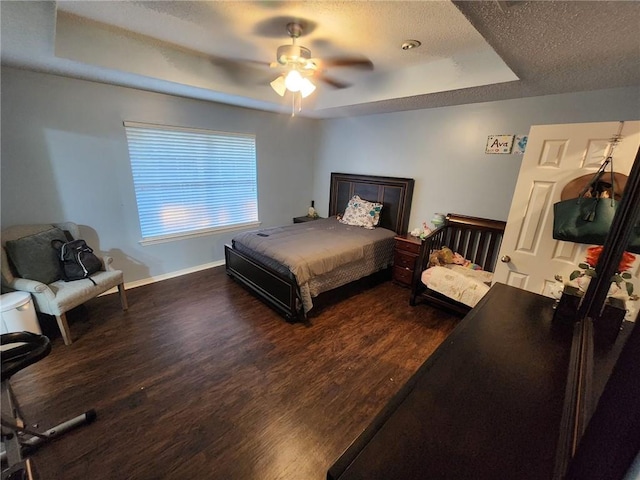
x=257, y=62
x=240, y=70
x=332, y=82
x=356, y=62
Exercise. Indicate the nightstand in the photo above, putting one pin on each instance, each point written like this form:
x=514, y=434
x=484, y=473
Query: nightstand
x=305, y=219
x=406, y=251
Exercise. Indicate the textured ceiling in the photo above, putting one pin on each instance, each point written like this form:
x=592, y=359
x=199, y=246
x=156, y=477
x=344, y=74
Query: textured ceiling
x=471, y=52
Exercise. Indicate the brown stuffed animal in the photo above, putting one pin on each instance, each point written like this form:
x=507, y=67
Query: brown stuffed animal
x=441, y=257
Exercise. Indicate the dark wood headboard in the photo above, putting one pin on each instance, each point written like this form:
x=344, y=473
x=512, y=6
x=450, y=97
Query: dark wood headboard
x=394, y=193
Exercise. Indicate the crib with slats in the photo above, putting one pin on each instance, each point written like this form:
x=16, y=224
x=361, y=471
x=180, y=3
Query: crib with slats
x=476, y=239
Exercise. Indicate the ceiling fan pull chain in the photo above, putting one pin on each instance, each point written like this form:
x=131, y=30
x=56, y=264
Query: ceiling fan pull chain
x=296, y=103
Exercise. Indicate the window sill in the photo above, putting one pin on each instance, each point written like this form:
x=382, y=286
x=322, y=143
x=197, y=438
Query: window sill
x=194, y=234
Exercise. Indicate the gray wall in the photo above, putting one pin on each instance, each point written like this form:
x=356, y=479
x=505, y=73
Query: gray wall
x=443, y=148
x=65, y=157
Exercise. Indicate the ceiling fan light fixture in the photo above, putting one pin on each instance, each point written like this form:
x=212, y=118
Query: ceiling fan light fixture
x=306, y=88
x=293, y=81
x=299, y=83
x=293, y=54
x=279, y=86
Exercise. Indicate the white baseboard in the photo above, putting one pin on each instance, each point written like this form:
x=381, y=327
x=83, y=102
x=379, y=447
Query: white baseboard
x=166, y=276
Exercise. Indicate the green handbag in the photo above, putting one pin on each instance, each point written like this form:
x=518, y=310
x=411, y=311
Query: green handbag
x=588, y=219
x=583, y=220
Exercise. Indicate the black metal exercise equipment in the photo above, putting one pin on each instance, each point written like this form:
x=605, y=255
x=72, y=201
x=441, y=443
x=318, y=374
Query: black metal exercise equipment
x=19, y=440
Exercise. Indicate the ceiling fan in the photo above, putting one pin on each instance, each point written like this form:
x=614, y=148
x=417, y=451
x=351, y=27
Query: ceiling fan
x=299, y=67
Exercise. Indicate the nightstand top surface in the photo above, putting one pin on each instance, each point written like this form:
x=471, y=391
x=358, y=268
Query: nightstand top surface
x=305, y=218
x=409, y=238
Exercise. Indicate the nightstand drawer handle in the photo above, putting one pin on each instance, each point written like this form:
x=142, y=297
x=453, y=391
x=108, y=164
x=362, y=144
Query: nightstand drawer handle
x=403, y=262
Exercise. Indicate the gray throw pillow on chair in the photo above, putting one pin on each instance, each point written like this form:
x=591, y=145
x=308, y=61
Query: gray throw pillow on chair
x=34, y=258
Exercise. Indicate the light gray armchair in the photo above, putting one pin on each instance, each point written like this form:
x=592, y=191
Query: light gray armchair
x=51, y=297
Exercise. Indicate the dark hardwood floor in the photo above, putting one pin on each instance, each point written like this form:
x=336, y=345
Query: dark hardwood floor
x=199, y=379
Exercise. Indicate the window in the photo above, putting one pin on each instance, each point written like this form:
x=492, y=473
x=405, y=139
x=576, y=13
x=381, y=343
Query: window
x=189, y=181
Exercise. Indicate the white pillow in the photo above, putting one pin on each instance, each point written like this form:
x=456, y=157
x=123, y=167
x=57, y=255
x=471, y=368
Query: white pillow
x=361, y=213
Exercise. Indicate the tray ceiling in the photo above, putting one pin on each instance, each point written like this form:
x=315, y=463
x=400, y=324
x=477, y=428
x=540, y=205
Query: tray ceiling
x=219, y=51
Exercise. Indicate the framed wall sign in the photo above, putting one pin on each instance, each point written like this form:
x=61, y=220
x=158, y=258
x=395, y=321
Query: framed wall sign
x=520, y=144
x=499, y=144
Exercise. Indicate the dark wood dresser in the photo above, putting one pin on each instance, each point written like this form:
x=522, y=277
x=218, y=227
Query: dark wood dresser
x=487, y=404
x=406, y=252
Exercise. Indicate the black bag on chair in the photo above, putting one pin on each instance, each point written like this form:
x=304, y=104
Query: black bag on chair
x=77, y=260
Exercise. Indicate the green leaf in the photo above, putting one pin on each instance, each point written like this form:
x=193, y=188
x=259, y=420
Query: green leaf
x=590, y=273
x=617, y=279
x=626, y=275
x=630, y=288
x=575, y=275
x=584, y=265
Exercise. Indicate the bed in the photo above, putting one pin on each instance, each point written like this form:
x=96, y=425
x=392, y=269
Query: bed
x=261, y=269
x=458, y=285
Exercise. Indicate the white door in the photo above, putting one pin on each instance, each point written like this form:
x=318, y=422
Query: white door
x=556, y=154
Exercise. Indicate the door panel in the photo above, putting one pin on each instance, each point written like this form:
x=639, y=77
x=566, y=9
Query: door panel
x=531, y=231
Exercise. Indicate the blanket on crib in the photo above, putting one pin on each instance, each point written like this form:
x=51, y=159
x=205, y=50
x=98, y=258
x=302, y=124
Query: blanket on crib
x=462, y=284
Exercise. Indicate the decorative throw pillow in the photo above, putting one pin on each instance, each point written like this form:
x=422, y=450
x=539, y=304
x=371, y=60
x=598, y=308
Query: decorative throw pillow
x=33, y=256
x=361, y=213
x=376, y=208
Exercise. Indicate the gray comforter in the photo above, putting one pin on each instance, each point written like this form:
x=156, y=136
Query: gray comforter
x=312, y=248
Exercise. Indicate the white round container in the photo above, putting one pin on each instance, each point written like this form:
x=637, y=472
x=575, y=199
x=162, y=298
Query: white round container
x=18, y=313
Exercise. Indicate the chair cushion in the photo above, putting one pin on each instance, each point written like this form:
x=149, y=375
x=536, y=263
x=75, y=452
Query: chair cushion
x=34, y=258
x=71, y=294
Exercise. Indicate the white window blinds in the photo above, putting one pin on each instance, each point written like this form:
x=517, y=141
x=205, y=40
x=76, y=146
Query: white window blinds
x=191, y=181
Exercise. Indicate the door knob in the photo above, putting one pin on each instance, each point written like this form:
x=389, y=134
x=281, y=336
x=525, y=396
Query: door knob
x=505, y=258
